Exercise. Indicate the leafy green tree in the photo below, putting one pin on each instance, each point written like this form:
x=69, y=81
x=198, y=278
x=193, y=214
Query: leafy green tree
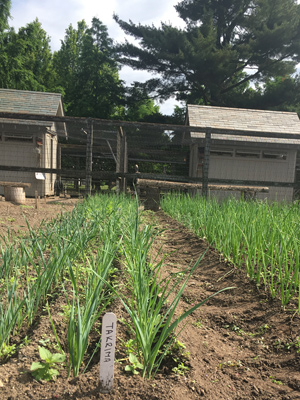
x=66, y=62
x=88, y=72
x=26, y=59
x=225, y=46
x=4, y=14
x=137, y=105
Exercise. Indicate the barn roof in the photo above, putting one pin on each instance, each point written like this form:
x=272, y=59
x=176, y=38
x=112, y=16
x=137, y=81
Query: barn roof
x=244, y=120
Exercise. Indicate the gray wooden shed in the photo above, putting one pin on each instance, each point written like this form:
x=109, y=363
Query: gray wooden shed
x=239, y=157
x=28, y=143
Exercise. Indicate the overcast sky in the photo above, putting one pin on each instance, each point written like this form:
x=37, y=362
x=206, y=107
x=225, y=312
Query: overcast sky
x=56, y=15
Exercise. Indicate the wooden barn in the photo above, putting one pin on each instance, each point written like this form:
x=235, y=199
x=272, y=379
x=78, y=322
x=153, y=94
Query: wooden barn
x=239, y=157
x=27, y=143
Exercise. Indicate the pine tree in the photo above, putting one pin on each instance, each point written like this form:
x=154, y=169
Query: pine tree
x=225, y=46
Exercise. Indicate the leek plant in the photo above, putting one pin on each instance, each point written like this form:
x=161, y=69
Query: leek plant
x=263, y=238
x=10, y=311
x=84, y=314
x=34, y=267
x=10, y=256
x=48, y=271
x=91, y=297
x=154, y=299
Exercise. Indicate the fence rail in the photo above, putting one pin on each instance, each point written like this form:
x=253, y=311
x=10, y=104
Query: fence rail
x=104, y=175
x=149, y=126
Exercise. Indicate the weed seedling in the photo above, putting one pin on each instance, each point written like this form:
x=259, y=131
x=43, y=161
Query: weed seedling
x=134, y=364
x=44, y=342
x=47, y=369
x=181, y=369
x=7, y=351
x=275, y=380
x=197, y=324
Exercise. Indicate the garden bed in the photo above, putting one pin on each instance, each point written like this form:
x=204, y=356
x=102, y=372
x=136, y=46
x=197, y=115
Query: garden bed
x=242, y=344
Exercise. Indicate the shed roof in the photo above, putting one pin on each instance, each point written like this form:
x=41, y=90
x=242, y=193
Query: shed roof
x=24, y=101
x=29, y=102
x=246, y=120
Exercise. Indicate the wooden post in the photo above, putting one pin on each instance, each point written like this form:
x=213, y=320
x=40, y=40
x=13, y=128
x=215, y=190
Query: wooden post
x=206, y=162
x=118, y=161
x=194, y=155
x=193, y=160
x=89, y=160
x=36, y=199
x=122, y=160
x=51, y=163
x=76, y=180
x=58, y=161
x=152, y=201
x=125, y=162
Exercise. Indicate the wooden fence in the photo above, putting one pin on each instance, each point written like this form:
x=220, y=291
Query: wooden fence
x=120, y=154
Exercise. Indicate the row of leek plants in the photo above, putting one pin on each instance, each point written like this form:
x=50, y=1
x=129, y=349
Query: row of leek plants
x=91, y=299
x=33, y=268
x=150, y=298
x=263, y=237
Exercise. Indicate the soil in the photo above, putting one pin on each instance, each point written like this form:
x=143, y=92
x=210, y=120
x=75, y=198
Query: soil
x=14, y=218
x=242, y=344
